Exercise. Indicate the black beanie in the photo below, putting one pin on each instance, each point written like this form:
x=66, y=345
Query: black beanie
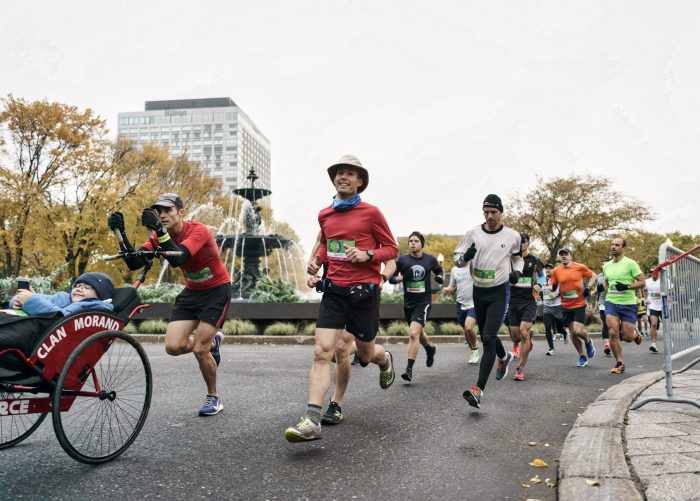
x=420, y=237
x=493, y=201
x=99, y=281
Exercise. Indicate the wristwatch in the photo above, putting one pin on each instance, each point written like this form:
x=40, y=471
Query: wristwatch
x=370, y=253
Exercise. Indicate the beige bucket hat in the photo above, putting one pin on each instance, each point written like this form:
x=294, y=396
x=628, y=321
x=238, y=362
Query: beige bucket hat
x=354, y=162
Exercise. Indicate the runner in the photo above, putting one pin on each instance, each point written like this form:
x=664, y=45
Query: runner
x=641, y=314
x=461, y=281
x=551, y=312
x=653, y=286
x=600, y=302
x=523, y=305
x=202, y=305
x=623, y=276
x=492, y=251
x=413, y=270
x=355, y=240
x=568, y=279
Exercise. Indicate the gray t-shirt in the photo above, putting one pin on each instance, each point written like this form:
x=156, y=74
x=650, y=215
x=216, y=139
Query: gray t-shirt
x=497, y=254
x=461, y=278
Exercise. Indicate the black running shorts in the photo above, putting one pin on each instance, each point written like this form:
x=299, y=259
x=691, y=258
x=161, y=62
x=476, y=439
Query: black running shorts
x=574, y=315
x=418, y=313
x=521, y=311
x=208, y=306
x=655, y=313
x=361, y=319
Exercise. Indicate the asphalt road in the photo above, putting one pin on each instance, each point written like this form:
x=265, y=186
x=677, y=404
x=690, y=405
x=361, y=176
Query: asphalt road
x=419, y=440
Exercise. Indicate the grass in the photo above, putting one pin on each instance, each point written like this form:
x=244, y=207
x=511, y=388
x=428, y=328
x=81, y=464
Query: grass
x=450, y=329
x=155, y=326
x=397, y=328
x=281, y=329
x=238, y=327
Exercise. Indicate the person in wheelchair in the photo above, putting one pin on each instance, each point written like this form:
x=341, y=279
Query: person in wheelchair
x=202, y=305
x=89, y=291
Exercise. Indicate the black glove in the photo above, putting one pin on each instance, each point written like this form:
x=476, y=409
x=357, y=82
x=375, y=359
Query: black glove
x=555, y=287
x=439, y=279
x=115, y=221
x=469, y=255
x=586, y=292
x=150, y=219
x=600, y=288
x=621, y=287
x=514, y=276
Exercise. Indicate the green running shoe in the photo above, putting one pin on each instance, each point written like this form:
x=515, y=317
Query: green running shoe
x=305, y=431
x=333, y=415
x=387, y=376
x=502, y=366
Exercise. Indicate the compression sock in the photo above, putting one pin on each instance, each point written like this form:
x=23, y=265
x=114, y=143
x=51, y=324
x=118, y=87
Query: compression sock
x=313, y=412
x=410, y=364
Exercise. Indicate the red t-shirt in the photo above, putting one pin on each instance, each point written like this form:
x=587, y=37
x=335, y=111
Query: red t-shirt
x=363, y=227
x=204, y=269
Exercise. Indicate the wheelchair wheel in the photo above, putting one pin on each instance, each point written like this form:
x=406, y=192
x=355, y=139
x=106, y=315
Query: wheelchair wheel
x=99, y=427
x=15, y=428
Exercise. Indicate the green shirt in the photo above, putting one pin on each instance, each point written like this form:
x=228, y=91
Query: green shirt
x=622, y=272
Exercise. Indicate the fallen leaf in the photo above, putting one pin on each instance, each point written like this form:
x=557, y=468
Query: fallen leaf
x=525, y=486
x=546, y=445
x=568, y=401
x=565, y=424
x=535, y=479
x=538, y=463
x=532, y=443
x=592, y=482
x=550, y=484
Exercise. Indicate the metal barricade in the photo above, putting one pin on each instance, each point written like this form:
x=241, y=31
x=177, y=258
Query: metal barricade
x=679, y=273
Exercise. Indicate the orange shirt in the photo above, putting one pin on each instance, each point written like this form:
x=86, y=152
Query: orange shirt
x=570, y=282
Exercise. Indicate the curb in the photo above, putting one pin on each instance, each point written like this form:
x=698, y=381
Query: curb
x=594, y=448
x=276, y=340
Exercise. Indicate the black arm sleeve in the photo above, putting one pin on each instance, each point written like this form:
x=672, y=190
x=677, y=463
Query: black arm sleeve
x=133, y=262
x=175, y=261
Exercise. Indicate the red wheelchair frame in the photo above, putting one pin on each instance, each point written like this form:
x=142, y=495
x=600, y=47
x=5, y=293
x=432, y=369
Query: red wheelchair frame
x=97, y=380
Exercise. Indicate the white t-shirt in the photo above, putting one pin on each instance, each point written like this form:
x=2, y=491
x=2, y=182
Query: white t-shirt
x=461, y=278
x=497, y=254
x=654, y=288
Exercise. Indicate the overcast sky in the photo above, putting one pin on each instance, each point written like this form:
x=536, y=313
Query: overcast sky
x=443, y=101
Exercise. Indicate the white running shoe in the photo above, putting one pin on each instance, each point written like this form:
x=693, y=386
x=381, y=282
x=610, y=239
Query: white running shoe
x=474, y=357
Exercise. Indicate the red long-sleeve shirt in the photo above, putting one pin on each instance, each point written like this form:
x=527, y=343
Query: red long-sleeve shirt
x=363, y=227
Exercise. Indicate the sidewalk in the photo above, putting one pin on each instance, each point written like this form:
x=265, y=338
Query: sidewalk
x=651, y=453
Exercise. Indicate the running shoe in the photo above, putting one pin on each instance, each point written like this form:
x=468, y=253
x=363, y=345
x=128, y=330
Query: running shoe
x=212, y=405
x=652, y=348
x=582, y=361
x=607, y=351
x=519, y=375
x=333, y=415
x=502, y=367
x=430, y=355
x=474, y=357
x=590, y=349
x=566, y=340
x=516, y=351
x=407, y=375
x=305, y=431
x=551, y=353
x=387, y=376
x=216, y=344
x=355, y=360
x=618, y=369
x=638, y=339
x=473, y=396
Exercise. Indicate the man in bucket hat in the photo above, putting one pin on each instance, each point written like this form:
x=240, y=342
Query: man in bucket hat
x=202, y=305
x=355, y=240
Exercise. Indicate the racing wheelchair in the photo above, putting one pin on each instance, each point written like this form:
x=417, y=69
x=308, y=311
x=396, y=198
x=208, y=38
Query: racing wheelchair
x=93, y=379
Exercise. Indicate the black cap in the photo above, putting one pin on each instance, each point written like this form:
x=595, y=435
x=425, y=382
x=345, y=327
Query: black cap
x=524, y=236
x=420, y=237
x=493, y=202
x=169, y=200
x=549, y=265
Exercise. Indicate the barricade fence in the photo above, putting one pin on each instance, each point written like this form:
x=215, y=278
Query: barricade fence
x=679, y=273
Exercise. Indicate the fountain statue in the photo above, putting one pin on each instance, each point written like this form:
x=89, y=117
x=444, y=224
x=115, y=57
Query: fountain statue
x=249, y=242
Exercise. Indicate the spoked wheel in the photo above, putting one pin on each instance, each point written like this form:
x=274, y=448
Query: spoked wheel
x=114, y=396
x=16, y=427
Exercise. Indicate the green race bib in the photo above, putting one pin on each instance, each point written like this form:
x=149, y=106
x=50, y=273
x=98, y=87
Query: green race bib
x=199, y=276
x=570, y=294
x=336, y=248
x=415, y=286
x=484, y=277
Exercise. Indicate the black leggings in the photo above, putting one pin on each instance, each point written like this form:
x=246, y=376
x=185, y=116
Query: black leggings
x=550, y=322
x=606, y=334
x=491, y=306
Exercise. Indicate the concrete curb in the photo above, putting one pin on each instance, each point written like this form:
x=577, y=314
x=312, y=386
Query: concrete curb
x=594, y=449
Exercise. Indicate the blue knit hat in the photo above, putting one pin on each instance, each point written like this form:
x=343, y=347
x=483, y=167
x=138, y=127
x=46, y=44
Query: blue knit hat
x=99, y=281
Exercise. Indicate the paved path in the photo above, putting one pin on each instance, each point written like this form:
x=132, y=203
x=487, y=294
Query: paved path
x=416, y=440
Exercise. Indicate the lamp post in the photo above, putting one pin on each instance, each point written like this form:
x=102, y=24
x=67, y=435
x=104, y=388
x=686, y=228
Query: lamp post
x=440, y=259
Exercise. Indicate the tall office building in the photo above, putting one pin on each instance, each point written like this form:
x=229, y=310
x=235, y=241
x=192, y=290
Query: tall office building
x=212, y=131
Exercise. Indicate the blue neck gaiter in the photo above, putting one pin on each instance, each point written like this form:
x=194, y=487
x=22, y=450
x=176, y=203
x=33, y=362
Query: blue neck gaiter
x=343, y=205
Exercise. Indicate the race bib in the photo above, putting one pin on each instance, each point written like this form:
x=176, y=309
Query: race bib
x=415, y=286
x=336, y=248
x=569, y=294
x=546, y=293
x=484, y=277
x=655, y=295
x=199, y=276
x=463, y=307
x=524, y=282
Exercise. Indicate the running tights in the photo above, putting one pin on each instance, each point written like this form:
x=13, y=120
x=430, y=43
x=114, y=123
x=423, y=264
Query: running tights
x=550, y=322
x=606, y=334
x=491, y=306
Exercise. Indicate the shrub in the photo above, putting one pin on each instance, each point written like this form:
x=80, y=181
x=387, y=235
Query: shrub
x=430, y=328
x=280, y=329
x=238, y=327
x=450, y=329
x=397, y=328
x=395, y=298
x=273, y=291
x=163, y=293
x=310, y=329
x=158, y=326
x=382, y=332
x=131, y=328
